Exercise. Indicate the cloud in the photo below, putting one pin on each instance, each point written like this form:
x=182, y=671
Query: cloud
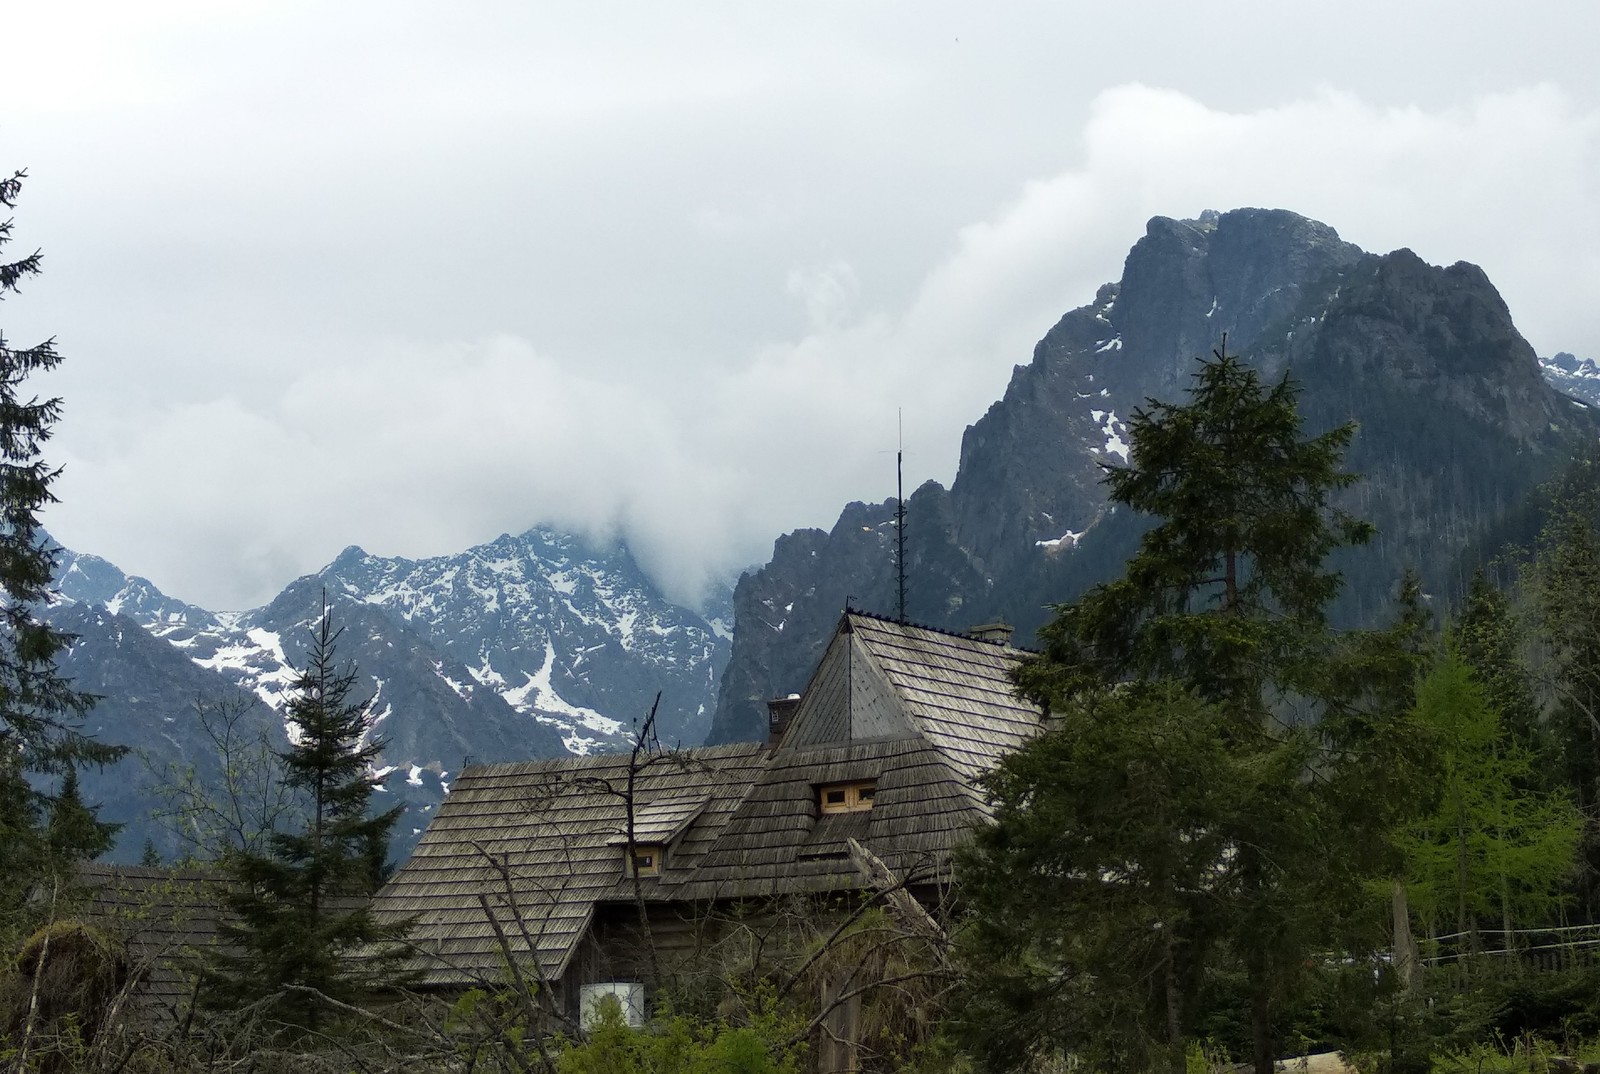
x=414, y=445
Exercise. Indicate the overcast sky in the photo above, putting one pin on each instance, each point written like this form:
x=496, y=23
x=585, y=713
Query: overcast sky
x=411, y=275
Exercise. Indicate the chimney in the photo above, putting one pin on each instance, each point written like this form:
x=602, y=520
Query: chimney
x=780, y=710
x=997, y=632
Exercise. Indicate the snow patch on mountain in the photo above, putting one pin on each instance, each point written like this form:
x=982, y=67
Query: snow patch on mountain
x=1114, y=432
x=538, y=696
x=1576, y=377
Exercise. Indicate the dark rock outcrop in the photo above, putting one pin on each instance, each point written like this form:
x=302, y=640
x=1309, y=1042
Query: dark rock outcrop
x=1456, y=422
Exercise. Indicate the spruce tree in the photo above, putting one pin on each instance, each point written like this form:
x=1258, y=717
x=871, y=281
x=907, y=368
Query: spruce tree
x=1221, y=605
x=301, y=908
x=1092, y=890
x=40, y=712
x=1564, y=585
x=73, y=832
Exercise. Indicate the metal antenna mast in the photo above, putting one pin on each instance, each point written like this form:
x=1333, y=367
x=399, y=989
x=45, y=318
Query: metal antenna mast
x=900, y=509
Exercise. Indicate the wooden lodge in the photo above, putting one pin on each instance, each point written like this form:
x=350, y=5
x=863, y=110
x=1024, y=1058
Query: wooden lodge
x=578, y=878
x=608, y=874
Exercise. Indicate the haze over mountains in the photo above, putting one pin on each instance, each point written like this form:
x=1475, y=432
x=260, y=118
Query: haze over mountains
x=530, y=645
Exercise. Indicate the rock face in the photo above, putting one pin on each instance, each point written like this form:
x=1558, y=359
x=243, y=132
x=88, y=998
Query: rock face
x=525, y=647
x=558, y=627
x=1456, y=422
x=148, y=693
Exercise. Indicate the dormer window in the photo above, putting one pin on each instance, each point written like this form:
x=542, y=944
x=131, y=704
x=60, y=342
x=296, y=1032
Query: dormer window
x=655, y=827
x=847, y=797
x=648, y=858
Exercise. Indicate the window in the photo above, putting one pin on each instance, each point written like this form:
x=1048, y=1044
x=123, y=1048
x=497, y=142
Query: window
x=627, y=995
x=847, y=797
x=647, y=860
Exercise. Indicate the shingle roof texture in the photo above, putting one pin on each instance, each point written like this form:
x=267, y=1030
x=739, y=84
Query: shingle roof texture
x=168, y=917
x=529, y=847
x=533, y=847
x=957, y=691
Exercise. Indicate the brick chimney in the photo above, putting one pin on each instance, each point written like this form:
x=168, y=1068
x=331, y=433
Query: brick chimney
x=998, y=632
x=780, y=710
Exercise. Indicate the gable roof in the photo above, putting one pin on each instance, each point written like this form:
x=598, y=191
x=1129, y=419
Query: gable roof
x=531, y=847
x=848, y=699
x=956, y=690
x=168, y=918
x=920, y=712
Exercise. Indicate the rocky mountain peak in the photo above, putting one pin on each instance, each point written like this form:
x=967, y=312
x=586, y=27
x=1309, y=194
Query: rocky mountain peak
x=1455, y=424
x=526, y=646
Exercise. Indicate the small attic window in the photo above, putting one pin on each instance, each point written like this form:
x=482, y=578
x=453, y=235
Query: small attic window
x=847, y=797
x=648, y=858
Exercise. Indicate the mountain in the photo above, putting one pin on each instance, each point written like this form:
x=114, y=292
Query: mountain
x=1456, y=422
x=568, y=632
x=528, y=646
x=149, y=696
x=1577, y=377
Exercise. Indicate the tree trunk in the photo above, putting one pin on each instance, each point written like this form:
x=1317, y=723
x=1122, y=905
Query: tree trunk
x=1508, y=935
x=1175, y=1043
x=1261, y=1023
x=1407, y=960
x=1258, y=964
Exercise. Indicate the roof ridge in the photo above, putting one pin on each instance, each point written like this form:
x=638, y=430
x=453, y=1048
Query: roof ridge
x=947, y=632
x=561, y=762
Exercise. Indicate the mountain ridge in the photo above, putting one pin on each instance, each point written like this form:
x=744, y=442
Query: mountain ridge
x=521, y=647
x=1407, y=350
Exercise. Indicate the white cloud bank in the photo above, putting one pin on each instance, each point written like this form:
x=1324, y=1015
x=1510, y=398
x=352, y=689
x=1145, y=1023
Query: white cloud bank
x=416, y=448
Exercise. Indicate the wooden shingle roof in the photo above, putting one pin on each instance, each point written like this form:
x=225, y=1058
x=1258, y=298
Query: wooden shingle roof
x=662, y=821
x=956, y=690
x=529, y=848
x=527, y=851
x=921, y=713
x=779, y=841
x=167, y=917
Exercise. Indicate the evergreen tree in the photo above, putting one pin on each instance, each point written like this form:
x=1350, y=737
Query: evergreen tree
x=40, y=712
x=73, y=832
x=1564, y=587
x=301, y=908
x=1223, y=604
x=1093, y=888
x=1488, y=639
x=1491, y=851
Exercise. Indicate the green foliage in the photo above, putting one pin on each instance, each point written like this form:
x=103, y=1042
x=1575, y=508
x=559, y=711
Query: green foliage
x=675, y=1045
x=59, y=992
x=1489, y=639
x=1226, y=591
x=1092, y=890
x=73, y=832
x=1225, y=769
x=302, y=917
x=1491, y=850
x=1563, y=586
x=39, y=710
